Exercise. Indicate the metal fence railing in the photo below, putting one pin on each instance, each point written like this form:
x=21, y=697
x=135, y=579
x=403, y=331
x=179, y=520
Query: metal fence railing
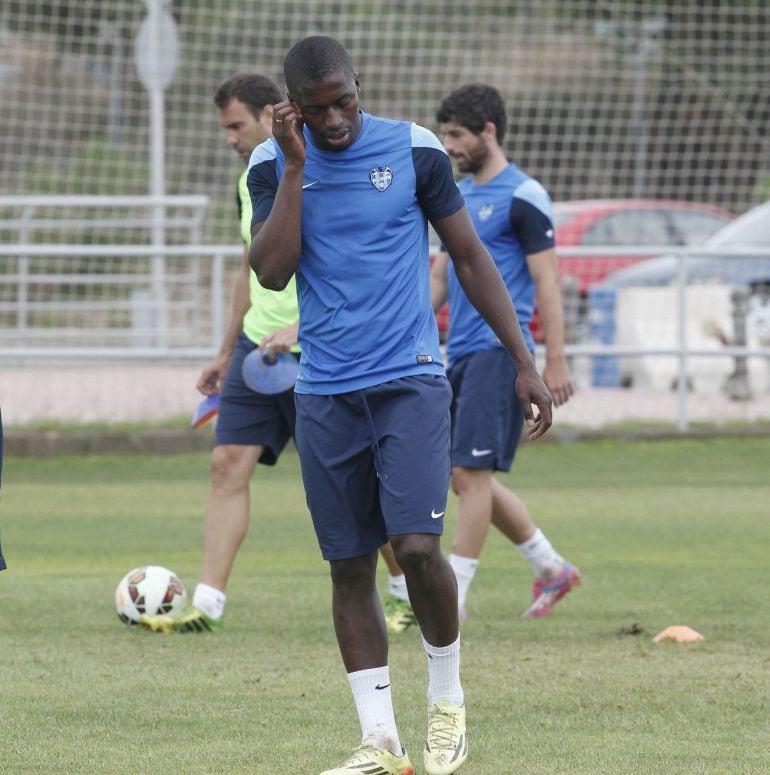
x=128, y=303
x=153, y=302
x=87, y=272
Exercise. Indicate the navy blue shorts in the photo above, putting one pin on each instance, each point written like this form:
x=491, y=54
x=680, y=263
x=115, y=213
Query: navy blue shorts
x=487, y=418
x=375, y=463
x=250, y=418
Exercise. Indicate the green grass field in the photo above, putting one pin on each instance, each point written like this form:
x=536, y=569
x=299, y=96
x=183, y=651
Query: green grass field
x=665, y=533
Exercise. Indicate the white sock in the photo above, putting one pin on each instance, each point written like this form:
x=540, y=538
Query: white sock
x=397, y=587
x=465, y=570
x=539, y=553
x=371, y=693
x=210, y=600
x=444, y=673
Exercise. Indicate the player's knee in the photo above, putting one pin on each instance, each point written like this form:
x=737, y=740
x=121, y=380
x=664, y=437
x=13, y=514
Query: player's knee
x=231, y=467
x=461, y=480
x=354, y=575
x=469, y=479
x=415, y=552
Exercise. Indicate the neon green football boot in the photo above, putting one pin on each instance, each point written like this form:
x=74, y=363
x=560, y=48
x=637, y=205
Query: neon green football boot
x=373, y=761
x=399, y=615
x=191, y=619
x=446, y=746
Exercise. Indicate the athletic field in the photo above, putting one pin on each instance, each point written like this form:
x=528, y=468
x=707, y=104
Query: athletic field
x=668, y=532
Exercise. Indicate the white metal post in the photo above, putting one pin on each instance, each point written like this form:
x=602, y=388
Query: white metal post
x=155, y=58
x=157, y=189
x=681, y=387
x=22, y=264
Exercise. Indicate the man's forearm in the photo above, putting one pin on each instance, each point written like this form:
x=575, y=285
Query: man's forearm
x=238, y=309
x=551, y=317
x=438, y=281
x=486, y=290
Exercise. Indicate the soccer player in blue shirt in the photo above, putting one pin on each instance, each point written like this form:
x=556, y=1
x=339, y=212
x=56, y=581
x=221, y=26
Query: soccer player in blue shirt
x=342, y=200
x=512, y=214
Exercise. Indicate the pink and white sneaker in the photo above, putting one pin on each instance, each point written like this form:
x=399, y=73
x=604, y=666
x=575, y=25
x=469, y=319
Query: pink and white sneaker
x=546, y=593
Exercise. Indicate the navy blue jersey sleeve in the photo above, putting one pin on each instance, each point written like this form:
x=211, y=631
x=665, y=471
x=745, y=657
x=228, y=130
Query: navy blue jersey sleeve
x=437, y=191
x=531, y=219
x=262, y=180
x=263, y=184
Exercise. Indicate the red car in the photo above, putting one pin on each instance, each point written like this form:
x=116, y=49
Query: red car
x=627, y=223
x=621, y=222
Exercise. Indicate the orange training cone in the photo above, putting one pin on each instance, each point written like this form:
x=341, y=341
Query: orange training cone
x=679, y=633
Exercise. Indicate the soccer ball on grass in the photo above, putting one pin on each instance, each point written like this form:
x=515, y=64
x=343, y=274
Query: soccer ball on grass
x=150, y=589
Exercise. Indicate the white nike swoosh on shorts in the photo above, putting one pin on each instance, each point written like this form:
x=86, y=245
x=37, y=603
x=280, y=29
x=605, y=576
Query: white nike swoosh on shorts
x=481, y=452
x=437, y=515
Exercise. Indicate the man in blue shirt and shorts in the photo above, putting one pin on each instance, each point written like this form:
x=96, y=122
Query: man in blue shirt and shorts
x=512, y=215
x=342, y=199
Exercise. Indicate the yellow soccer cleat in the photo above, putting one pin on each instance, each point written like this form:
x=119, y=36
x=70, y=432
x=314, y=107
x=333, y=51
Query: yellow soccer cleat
x=373, y=761
x=190, y=620
x=446, y=746
x=399, y=615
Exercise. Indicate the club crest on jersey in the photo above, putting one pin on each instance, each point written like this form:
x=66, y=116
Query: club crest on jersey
x=381, y=177
x=485, y=212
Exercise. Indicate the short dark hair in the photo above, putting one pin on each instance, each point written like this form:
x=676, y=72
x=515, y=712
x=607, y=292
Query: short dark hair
x=252, y=89
x=314, y=59
x=472, y=106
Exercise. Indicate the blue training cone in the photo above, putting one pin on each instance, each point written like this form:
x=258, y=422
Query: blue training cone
x=269, y=377
x=206, y=410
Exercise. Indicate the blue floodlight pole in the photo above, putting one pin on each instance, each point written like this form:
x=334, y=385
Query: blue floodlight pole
x=155, y=55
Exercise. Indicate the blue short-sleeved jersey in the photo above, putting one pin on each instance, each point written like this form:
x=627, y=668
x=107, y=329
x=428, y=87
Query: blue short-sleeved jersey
x=512, y=215
x=363, y=274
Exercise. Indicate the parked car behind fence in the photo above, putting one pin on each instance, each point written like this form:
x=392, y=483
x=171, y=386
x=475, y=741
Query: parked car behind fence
x=726, y=290
x=623, y=223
